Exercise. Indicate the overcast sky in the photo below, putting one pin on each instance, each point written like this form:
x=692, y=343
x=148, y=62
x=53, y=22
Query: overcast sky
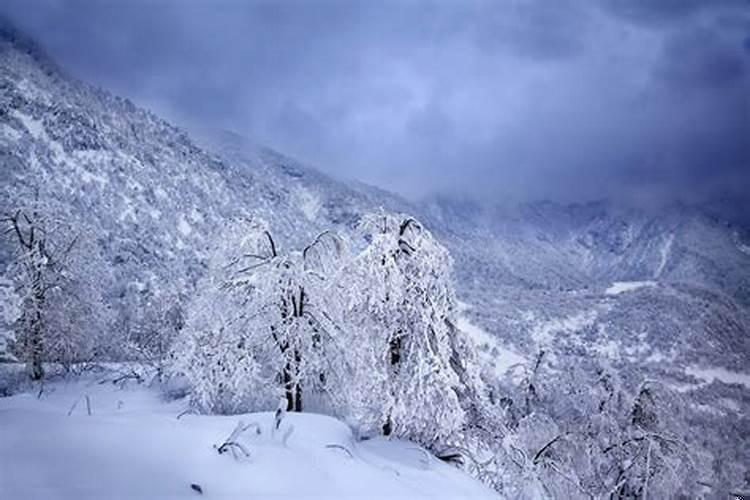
x=502, y=100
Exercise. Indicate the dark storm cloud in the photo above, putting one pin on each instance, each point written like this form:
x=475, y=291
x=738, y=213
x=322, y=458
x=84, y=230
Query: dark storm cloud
x=517, y=99
x=535, y=29
x=699, y=57
x=661, y=12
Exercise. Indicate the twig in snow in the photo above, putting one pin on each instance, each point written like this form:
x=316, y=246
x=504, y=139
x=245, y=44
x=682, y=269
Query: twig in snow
x=340, y=447
x=183, y=413
x=280, y=412
x=232, y=445
x=75, y=404
x=540, y=454
x=123, y=377
x=73, y=407
x=451, y=457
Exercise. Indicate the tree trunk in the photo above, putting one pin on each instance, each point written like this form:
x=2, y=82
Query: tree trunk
x=36, y=342
x=387, y=426
x=297, y=387
x=286, y=377
x=292, y=390
x=394, y=350
x=293, y=393
x=298, y=399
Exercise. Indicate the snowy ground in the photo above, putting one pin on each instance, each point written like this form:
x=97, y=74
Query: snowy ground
x=492, y=351
x=133, y=446
x=619, y=287
x=709, y=374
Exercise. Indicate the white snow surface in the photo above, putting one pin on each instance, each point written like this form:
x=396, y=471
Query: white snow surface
x=544, y=332
x=619, y=287
x=308, y=203
x=664, y=254
x=35, y=127
x=709, y=374
x=134, y=446
x=492, y=352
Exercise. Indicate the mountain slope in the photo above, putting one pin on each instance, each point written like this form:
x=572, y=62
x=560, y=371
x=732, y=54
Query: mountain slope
x=152, y=196
x=156, y=197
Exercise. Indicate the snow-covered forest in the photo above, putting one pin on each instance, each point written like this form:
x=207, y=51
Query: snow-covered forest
x=191, y=304
x=363, y=328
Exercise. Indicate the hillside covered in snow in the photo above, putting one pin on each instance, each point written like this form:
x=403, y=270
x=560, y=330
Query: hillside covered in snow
x=156, y=197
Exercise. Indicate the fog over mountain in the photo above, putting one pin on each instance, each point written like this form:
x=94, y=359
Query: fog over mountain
x=637, y=101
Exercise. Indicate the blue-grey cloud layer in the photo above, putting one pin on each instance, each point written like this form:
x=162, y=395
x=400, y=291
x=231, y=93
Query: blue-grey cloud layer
x=517, y=99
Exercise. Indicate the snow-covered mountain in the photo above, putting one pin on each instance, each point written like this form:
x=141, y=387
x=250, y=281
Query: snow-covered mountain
x=534, y=275
x=580, y=245
x=659, y=293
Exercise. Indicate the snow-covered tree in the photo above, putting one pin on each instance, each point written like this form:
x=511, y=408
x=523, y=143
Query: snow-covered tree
x=576, y=429
x=58, y=274
x=260, y=326
x=650, y=455
x=79, y=316
x=402, y=308
x=154, y=324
